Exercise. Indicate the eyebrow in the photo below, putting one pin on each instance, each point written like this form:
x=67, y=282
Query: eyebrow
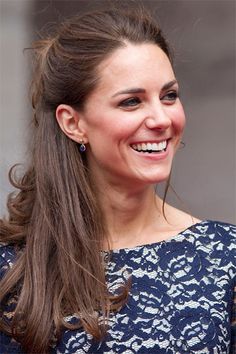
x=142, y=90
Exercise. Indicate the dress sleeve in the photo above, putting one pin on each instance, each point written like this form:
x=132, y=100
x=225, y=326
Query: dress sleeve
x=233, y=325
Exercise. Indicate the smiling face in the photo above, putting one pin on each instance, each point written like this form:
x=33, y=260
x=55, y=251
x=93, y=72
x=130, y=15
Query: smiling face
x=133, y=120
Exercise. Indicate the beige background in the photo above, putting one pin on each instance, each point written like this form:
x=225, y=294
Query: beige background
x=203, y=36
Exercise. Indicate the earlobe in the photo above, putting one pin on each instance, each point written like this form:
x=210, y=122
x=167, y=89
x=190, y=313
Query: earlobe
x=68, y=119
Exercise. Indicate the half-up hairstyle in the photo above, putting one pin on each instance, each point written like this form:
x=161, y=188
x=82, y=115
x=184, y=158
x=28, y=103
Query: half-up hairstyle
x=55, y=222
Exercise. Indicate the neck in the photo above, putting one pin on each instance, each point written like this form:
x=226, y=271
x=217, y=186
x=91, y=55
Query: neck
x=129, y=214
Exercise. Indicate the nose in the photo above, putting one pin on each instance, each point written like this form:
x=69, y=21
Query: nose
x=157, y=117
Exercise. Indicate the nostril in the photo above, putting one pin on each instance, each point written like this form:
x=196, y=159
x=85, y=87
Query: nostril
x=156, y=123
x=159, y=122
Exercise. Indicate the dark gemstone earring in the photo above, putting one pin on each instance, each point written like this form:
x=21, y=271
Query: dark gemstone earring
x=82, y=147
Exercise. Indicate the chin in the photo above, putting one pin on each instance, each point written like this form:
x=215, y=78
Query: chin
x=159, y=177
x=156, y=179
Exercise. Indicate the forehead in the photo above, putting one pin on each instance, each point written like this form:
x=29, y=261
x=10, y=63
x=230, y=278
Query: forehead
x=134, y=64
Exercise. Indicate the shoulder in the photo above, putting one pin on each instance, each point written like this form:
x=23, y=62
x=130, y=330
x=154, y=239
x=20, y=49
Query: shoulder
x=8, y=254
x=216, y=240
x=217, y=233
x=220, y=230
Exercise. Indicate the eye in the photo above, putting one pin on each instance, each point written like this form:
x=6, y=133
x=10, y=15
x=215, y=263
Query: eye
x=130, y=102
x=170, y=96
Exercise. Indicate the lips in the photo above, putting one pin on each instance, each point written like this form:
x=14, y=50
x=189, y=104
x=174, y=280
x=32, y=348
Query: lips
x=150, y=147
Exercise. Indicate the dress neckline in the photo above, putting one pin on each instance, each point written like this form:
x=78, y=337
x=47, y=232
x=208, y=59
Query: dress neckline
x=153, y=244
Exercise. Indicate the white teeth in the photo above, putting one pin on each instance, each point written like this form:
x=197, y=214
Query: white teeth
x=155, y=146
x=139, y=147
x=144, y=146
x=150, y=146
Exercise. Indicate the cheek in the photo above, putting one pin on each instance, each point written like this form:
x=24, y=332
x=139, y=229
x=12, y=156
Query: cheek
x=105, y=133
x=112, y=127
x=178, y=119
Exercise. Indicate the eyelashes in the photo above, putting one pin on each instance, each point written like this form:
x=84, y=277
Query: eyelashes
x=171, y=96
x=130, y=102
x=134, y=102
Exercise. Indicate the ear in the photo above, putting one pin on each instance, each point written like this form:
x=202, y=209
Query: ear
x=69, y=121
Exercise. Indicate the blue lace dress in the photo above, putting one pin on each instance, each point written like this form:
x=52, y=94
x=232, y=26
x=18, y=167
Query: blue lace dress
x=181, y=298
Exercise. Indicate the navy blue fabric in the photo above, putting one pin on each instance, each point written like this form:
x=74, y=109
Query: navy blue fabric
x=181, y=299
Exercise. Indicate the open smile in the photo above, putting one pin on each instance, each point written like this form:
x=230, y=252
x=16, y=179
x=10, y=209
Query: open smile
x=150, y=147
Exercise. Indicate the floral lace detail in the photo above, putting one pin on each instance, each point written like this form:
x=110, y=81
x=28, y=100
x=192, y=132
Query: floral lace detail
x=181, y=298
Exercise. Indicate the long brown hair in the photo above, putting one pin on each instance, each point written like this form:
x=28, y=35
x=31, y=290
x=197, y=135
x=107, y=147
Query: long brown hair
x=55, y=221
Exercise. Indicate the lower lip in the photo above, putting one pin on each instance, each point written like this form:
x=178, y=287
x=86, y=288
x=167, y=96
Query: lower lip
x=154, y=156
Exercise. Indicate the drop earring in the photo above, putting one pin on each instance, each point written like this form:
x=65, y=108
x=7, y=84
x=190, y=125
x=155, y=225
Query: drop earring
x=182, y=144
x=82, y=147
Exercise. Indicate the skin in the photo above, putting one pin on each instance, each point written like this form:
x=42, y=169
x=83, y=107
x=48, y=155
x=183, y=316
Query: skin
x=112, y=121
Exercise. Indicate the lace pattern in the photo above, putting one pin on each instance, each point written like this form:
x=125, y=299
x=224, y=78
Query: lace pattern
x=182, y=299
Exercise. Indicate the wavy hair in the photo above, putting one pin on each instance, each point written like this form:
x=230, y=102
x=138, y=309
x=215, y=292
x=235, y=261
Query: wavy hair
x=55, y=221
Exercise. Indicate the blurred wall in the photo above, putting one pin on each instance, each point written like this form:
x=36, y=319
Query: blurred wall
x=202, y=34
x=15, y=35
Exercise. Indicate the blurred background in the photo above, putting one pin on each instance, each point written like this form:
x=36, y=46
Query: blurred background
x=202, y=34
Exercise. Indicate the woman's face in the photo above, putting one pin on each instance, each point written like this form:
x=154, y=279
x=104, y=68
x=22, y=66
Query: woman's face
x=133, y=120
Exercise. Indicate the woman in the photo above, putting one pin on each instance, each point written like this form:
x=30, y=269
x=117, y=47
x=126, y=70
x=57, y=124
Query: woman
x=92, y=260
